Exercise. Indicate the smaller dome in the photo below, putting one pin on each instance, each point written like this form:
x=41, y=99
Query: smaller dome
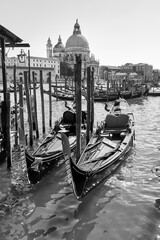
x=59, y=47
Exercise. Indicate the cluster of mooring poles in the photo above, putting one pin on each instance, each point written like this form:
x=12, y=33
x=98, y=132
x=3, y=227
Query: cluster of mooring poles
x=32, y=104
x=31, y=100
x=78, y=99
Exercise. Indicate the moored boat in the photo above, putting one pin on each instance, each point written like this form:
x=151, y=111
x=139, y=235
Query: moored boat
x=104, y=96
x=105, y=151
x=154, y=91
x=61, y=95
x=126, y=94
x=136, y=94
x=49, y=153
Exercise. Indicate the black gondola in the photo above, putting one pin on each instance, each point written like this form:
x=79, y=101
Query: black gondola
x=50, y=152
x=104, y=152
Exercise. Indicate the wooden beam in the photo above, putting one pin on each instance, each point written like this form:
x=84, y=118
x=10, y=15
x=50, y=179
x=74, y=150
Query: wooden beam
x=13, y=45
x=8, y=35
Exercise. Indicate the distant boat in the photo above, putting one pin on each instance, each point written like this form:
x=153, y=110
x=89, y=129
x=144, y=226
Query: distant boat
x=136, y=94
x=126, y=94
x=63, y=96
x=103, y=96
x=154, y=91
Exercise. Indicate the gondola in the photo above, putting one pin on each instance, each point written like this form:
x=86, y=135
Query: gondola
x=154, y=91
x=126, y=94
x=136, y=94
x=61, y=95
x=103, y=96
x=50, y=153
x=105, y=151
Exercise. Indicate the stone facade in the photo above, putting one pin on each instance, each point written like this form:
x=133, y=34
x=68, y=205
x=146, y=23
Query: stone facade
x=36, y=64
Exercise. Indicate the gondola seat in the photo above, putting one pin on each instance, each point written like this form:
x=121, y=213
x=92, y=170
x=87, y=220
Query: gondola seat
x=69, y=117
x=116, y=124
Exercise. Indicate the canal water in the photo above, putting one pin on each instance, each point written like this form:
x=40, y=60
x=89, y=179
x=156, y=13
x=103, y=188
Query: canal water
x=125, y=206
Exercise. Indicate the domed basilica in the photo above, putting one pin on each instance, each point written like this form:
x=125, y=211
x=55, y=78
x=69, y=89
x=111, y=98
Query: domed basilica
x=76, y=44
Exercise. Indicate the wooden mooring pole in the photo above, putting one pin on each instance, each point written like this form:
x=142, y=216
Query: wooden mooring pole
x=88, y=104
x=50, y=101
x=92, y=99
x=15, y=102
x=6, y=107
x=56, y=88
x=42, y=101
x=28, y=99
x=35, y=104
x=78, y=98
x=22, y=131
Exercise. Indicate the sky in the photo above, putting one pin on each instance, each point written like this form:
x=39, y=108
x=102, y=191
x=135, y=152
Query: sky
x=118, y=31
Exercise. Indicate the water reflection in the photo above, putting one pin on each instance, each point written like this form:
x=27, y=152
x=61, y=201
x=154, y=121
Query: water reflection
x=123, y=207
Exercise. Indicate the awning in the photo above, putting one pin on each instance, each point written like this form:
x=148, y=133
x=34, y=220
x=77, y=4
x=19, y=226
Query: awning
x=9, y=36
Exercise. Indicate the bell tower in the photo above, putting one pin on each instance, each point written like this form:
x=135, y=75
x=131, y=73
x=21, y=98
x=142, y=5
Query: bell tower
x=49, y=48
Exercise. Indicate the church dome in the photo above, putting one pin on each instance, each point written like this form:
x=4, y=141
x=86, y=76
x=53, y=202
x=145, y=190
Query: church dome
x=77, y=41
x=59, y=47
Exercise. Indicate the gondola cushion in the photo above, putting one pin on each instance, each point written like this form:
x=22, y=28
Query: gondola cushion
x=69, y=117
x=117, y=123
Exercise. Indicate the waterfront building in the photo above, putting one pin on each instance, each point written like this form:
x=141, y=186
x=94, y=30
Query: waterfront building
x=156, y=77
x=142, y=69
x=76, y=44
x=36, y=64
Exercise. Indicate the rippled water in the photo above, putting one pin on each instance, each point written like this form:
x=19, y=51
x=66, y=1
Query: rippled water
x=123, y=207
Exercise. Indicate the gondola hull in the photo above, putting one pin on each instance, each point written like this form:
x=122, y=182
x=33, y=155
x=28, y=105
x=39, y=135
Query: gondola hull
x=49, y=154
x=105, y=151
x=42, y=161
x=83, y=181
